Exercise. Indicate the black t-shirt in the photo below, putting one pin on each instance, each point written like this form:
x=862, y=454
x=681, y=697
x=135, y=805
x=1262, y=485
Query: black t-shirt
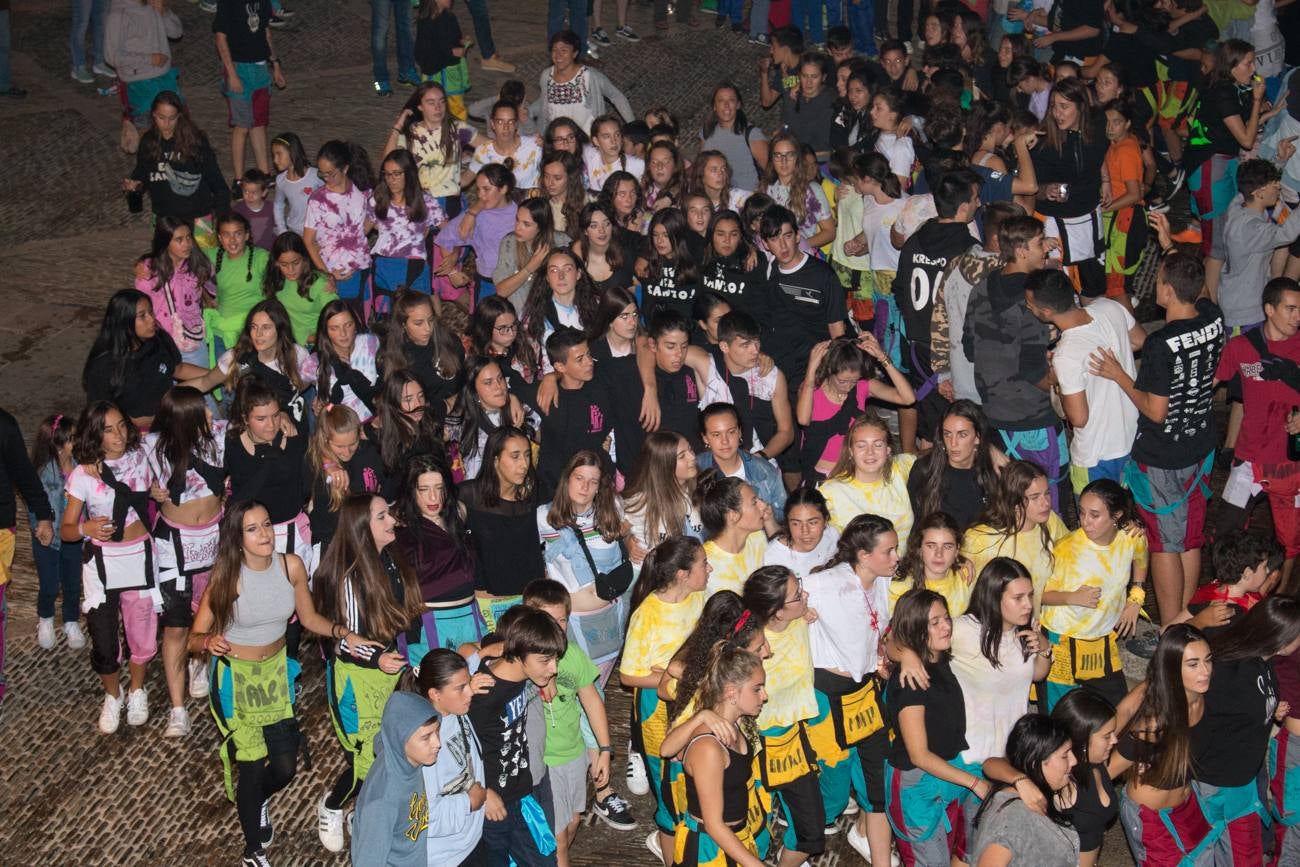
x=499, y=717
x=365, y=473
x=244, y=23
x=1069, y=14
x=508, y=551
x=810, y=119
x=424, y=366
x=805, y=302
x=1136, y=53
x=622, y=381
x=920, y=272
x=1089, y=815
x=945, y=714
x=273, y=474
x=961, y=495
x=1178, y=362
x=1197, y=33
x=1207, y=134
x=148, y=374
x=1078, y=163
x=744, y=289
x=581, y=420
x=667, y=291
x=1231, y=740
x=679, y=403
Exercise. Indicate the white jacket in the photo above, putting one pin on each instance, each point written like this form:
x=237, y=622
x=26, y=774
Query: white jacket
x=133, y=33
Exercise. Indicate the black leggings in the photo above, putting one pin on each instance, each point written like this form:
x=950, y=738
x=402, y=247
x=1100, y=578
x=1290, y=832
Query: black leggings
x=344, y=787
x=260, y=779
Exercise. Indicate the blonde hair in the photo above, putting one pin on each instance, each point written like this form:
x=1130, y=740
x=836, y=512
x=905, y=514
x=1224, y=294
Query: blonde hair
x=335, y=419
x=844, y=468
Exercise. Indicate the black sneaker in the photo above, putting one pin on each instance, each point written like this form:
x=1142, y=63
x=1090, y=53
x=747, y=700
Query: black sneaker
x=1143, y=646
x=599, y=35
x=266, y=832
x=256, y=859
x=614, y=812
x=236, y=190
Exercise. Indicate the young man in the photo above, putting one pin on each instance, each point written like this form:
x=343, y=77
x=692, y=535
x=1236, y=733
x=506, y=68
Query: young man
x=921, y=266
x=1104, y=420
x=1268, y=361
x=581, y=417
x=1249, y=239
x=720, y=428
x=1245, y=566
x=531, y=645
x=243, y=36
x=778, y=71
x=398, y=14
x=678, y=392
x=1174, y=446
x=1008, y=347
x=731, y=372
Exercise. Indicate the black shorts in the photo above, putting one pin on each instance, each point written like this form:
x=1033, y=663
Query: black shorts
x=178, y=605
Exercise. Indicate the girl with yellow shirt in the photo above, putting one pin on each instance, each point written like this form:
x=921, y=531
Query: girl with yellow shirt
x=935, y=563
x=1094, y=595
x=666, y=604
x=1019, y=523
x=870, y=477
x=736, y=526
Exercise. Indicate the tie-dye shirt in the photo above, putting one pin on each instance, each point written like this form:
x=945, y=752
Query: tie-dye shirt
x=981, y=543
x=400, y=237
x=789, y=670
x=1081, y=562
x=848, y=498
x=525, y=162
x=339, y=221
x=731, y=570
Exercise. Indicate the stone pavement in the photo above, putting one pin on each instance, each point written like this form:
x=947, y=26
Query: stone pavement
x=67, y=242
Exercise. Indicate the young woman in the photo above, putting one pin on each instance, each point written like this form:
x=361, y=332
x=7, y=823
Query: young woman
x=563, y=188
x=996, y=655
x=664, y=177
x=843, y=380
x=436, y=141
x=239, y=272
x=882, y=202
x=711, y=175
x=563, y=135
x=481, y=227
x=575, y=92
x=1162, y=817
x=1094, y=595
x=241, y=621
x=292, y=279
x=175, y=279
x=501, y=505
x=887, y=112
x=736, y=526
x=187, y=461
x=418, y=343
x=177, y=167
x=1123, y=217
x=1093, y=726
x=870, y=477
x=622, y=192
x=851, y=123
x=671, y=277
x=604, y=155
x=294, y=183
x=788, y=183
x=1008, y=831
x=850, y=594
x=561, y=294
x=582, y=531
x=601, y=251
x=935, y=563
x=494, y=333
x=485, y=407
x=959, y=474
x=402, y=215
x=806, y=110
x=58, y=563
x=454, y=785
x=806, y=540
x=1018, y=522
x=926, y=775
x=334, y=229
x=726, y=129
x=344, y=365
x=521, y=156
x=666, y=604
x=660, y=495
x=108, y=499
x=341, y=463
x=523, y=252
x=404, y=426
x=732, y=268
x=363, y=587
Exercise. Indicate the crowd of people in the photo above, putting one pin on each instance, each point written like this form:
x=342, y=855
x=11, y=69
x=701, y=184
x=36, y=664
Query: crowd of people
x=842, y=444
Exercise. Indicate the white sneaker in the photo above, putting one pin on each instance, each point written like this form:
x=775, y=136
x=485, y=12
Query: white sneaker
x=110, y=716
x=81, y=75
x=45, y=632
x=198, y=679
x=73, y=635
x=652, y=843
x=638, y=783
x=329, y=826
x=137, y=707
x=851, y=808
x=859, y=842
x=104, y=69
x=178, y=724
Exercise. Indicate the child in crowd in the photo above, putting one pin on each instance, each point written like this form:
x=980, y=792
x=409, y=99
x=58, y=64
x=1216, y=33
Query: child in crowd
x=254, y=188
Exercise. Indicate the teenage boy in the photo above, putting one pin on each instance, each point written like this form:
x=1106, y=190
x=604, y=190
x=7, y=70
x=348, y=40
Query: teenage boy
x=243, y=36
x=1243, y=566
x=1103, y=418
x=581, y=417
x=1008, y=347
x=1174, y=446
x=778, y=70
x=677, y=390
x=732, y=372
x=1250, y=238
x=531, y=646
x=568, y=757
x=720, y=428
x=1268, y=361
x=921, y=266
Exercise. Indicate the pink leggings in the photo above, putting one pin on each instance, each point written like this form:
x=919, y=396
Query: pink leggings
x=129, y=610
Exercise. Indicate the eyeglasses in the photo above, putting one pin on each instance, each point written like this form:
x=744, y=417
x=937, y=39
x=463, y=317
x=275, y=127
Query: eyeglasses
x=392, y=176
x=506, y=329
x=629, y=314
x=784, y=155
x=564, y=139
x=798, y=594
x=330, y=175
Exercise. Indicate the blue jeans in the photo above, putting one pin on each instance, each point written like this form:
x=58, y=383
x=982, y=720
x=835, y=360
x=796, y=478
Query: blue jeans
x=58, y=569
x=733, y=9
x=577, y=10
x=92, y=13
x=6, y=76
x=758, y=17
x=862, y=22
x=478, y=10
x=807, y=16
x=381, y=12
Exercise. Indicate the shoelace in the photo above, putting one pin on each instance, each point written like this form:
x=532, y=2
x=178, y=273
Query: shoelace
x=614, y=803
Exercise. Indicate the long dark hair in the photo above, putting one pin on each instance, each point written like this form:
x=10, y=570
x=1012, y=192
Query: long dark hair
x=742, y=251
x=484, y=319
x=352, y=159
x=160, y=262
x=187, y=141
x=723, y=619
x=473, y=415
x=393, y=340
x=325, y=349
x=717, y=496
x=223, y=582
x=661, y=565
x=610, y=189
x=1031, y=742
x=912, y=566
x=183, y=431
x=488, y=480
x=928, y=472
x=986, y=602
x=250, y=393
x=55, y=432
x=116, y=339
x=1083, y=712
x=88, y=447
x=673, y=189
x=1076, y=92
x=1160, y=727
x=1004, y=511
x=447, y=136
x=539, y=210
x=286, y=351
x=297, y=153
x=614, y=253
x=740, y=126
x=1229, y=53
x=680, y=259
x=910, y=625
x=540, y=297
x=273, y=282
x=412, y=193
x=409, y=509
x=575, y=190
x=1261, y=633
x=398, y=435
x=613, y=301
x=860, y=534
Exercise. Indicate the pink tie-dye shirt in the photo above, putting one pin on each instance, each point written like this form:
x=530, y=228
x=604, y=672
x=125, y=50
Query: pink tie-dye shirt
x=339, y=221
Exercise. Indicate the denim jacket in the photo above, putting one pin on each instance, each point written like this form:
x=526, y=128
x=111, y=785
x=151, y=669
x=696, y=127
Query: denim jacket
x=764, y=478
x=52, y=480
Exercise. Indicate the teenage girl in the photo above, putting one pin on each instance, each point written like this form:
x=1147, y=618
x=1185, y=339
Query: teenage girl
x=403, y=426
x=294, y=184
x=341, y=462
x=292, y=279
x=108, y=502
x=334, y=226
x=417, y=341
x=660, y=495
x=344, y=365
x=480, y=227
x=870, y=477
x=807, y=540
x=402, y=215
x=736, y=526
x=934, y=562
x=238, y=270
x=605, y=153
x=176, y=278
x=58, y=564
x=486, y=405
x=266, y=349
x=1095, y=595
x=1123, y=216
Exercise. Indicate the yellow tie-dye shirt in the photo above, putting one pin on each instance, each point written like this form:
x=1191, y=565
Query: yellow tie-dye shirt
x=848, y=498
x=655, y=631
x=731, y=570
x=951, y=587
x=1080, y=562
x=789, y=670
x=981, y=543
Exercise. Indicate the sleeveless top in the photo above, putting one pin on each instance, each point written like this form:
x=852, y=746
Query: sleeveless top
x=735, y=785
x=264, y=605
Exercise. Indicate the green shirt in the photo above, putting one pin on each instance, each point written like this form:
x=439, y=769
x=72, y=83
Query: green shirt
x=563, y=713
x=303, y=312
x=239, y=287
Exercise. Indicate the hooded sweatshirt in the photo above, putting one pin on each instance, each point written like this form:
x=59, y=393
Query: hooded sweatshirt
x=135, y=31
x=454, y=829
x=392, y=810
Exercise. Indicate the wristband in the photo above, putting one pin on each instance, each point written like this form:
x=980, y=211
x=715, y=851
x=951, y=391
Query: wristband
x=605, y=748
x=1137, y=594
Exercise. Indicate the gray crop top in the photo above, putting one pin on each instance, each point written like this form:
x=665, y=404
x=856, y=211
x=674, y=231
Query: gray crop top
x=264, y=605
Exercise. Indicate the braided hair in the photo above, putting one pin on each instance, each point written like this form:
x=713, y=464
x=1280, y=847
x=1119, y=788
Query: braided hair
x=225, y=219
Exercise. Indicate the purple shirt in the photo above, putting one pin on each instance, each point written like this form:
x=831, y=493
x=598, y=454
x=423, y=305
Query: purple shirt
x=399, y=237
x=490, y=227
x=262, y=223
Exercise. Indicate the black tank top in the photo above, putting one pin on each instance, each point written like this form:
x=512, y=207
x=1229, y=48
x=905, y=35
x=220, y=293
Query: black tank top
x=1089, y=817
x=818, y=433
x=735, y=785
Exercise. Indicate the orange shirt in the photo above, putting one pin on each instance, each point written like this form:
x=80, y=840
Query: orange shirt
x=1124, y=163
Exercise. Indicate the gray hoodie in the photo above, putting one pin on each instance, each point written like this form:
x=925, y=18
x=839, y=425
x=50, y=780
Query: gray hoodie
x=133, y=33
x=392, y=809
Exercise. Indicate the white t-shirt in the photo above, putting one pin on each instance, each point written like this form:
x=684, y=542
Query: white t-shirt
x=1112, y=417
x=802, y=564
x=899, y=151
x=526, y=161
x=995, y=697
x=850, y=622
x=597, y=172
x=877, y=220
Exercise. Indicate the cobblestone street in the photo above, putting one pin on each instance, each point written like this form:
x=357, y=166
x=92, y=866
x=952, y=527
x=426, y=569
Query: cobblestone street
x=67, y=242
